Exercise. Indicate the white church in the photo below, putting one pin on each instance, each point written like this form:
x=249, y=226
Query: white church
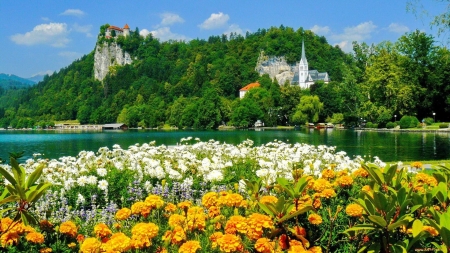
x=125, y=31
x=305, y=77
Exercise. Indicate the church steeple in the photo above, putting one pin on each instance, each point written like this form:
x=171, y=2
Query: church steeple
x=303, y=68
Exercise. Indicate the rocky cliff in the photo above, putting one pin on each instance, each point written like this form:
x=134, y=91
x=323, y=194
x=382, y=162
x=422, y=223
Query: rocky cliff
x=276, y=67
x=107, y=55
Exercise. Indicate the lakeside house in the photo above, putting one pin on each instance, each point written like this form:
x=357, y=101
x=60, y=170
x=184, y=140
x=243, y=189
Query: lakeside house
x=246, y=88
x=115, y=126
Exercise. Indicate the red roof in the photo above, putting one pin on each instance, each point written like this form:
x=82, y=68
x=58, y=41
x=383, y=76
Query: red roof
x=126, y=26
x=115, y=28
x=250, y=86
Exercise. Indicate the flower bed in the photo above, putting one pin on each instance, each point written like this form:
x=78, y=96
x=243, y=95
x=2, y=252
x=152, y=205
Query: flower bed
x=212, y=197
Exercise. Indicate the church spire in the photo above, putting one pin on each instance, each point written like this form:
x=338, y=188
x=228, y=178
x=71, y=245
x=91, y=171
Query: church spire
x=303, y=51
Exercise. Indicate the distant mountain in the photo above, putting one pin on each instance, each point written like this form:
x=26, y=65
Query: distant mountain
x=36, y=78
x=8, y=81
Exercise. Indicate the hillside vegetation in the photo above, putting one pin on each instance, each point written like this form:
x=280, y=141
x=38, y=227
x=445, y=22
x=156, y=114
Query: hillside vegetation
x=196, y=83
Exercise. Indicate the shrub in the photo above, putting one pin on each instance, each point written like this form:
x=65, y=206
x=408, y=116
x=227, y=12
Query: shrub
x=371, y=125
x=428, y=121
x=443, y=125
x=391, y=125
x=408, y=122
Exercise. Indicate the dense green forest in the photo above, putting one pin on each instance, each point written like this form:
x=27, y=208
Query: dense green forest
x=196, y=84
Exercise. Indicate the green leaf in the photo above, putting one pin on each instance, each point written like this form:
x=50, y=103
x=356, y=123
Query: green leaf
x=298, y=212
x=445, y=234
x=417, y=227
x=375, y=174
x=390, y=173
x=378, y=220
x=11, y=189
x=360, y=227
x=266, y=209
x=379, y=200
x=12, y=198
x=8, y=176
x=401, y=196
x=405, y=220
x=18, y=172
x=33, y=177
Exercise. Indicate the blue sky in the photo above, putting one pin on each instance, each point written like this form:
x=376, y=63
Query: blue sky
x=38, y=37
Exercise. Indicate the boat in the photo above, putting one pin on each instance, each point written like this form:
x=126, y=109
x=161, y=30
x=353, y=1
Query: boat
x=310, y=125
x=329, y=125
x=320, y=125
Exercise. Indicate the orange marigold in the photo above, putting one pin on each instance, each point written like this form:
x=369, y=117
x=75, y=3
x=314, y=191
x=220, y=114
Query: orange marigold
x=176, y=220
x=196, y=218
x=255, y=224
x=170, y=208
x=90, y=245
x=317, y=203
x=184, y=205
x=118, y=242
x=315, y=219
x=354, y=210
x=213, y=211
x=45, y=250
x=315, y=249
x=123, y=214
x=296, y=249
x=137, y=207
x=328, y=193
x=235, y=224
x=268, y=199
x=155, y=201
x=9, y=238
x=35, y=237
x=149, y=230
x=328, y=174
x=46, y=226
x=214, y=237
x=68, y=228
x=176, y=236
x=231, y=200
x=417, y=165
x=264, y=245
x=230, y=243
x=102, y=230
x=345, y=181
x=189, y=247
x=321, y=184
x=342, y=173
x=431, y=230
x=361, y=172
x=209, y=199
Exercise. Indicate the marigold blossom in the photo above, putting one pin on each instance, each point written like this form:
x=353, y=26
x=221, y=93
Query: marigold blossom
x=35, y=237
x=90, y=245
x=123, y=214
x=265, y=245
x=102, y=230
x=189, y=247
x=354, y=210
x=268, y=199
x=209, y=199
x=235, y=224
x=315, y=219
x=68, y=228
x=230, y=243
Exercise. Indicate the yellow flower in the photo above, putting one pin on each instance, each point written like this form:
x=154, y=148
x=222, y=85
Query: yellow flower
x=296, y=249
x=189, y=247
x=118, y=242
x=345, y=181
x=35, y=237
x=328, y=193
x=176, y=220
x=264, y=245
x=184, y=205
x=317, y=203
x=137, y=207
x=268, y=199
x=315, y=219
x=235, y=224
x=213, y=211
x=90, y=245
x=123, y=214
x=102, y=230
x=431, y=230
x=342, y=173
x=230, y=243
x=321, y=184
x=72, y=245
x=214, y=237
x=231, y=200
x=328, y=174
x=196, y=218
x=170, y=208
x=255, y=224
x=366, y=188
x=176, y=236
x=9, y=238
x=45, y=250
x=68, y=228
x=209, y=199
x=354, y=210
x=361, y=172
x=154, y=201
x=149, y=230
x=417, y=165
x=315, y=249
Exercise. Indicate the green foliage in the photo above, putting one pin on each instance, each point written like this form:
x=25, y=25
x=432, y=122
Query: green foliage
x=443, y=125
x=429, y=121
x=371, y=125
x=408, y=122
x=307, y=110
x=391, y=125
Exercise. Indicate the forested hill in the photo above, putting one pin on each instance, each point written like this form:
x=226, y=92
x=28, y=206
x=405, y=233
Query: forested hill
x=196, y=83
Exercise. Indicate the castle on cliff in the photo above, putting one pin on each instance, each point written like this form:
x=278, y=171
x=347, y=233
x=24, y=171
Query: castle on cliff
x=125, y=31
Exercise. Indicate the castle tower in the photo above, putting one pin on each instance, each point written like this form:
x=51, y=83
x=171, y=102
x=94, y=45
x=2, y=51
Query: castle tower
x=303, y=68
x=126, y=30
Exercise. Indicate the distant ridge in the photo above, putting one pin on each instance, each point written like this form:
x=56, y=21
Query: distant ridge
x=8, y=81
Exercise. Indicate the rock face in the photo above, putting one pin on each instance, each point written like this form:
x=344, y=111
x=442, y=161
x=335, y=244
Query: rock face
x=276, y=67
x=106, y=56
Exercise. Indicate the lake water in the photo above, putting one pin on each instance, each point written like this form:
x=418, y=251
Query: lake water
x=389, y=146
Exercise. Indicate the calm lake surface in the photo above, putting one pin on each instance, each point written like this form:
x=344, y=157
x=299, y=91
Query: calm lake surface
x=389, y=146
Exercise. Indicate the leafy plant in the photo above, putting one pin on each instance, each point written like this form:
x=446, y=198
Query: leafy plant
x=21, y=190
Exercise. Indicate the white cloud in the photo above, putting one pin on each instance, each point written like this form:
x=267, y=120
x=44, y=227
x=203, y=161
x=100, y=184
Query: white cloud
x=86, y=29
x=235, y=29
x=70, y=55
x=73, y=12
x=46, y=19
x=398, y=28
x=144, y=32
x=54, y=34
x=170, y=19
x=216, y=20
x=320, y=30
x=43, y=73
x=165, y=34
x=355, y=33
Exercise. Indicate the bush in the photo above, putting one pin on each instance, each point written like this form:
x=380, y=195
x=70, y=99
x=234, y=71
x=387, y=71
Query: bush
x=371, y=125
x=428, y=121
x=408, y=122
x=443, y=125
x=391, y=125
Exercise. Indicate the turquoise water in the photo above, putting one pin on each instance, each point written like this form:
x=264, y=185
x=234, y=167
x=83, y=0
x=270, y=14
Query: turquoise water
x=389, y=146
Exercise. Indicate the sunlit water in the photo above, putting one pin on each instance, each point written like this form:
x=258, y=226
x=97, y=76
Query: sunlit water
x=389, y=146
